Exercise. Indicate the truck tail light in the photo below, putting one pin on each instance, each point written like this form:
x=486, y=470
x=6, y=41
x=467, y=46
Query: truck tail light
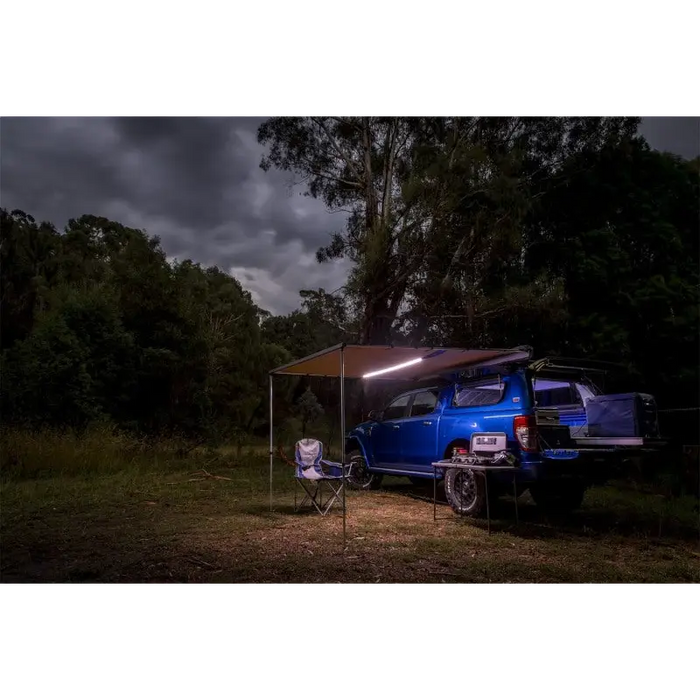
x=525, y=429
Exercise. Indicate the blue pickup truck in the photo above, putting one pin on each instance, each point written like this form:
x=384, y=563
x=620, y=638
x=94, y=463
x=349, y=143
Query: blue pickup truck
x=549, y=411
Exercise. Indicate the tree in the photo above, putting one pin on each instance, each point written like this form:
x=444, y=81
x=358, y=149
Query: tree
x=76, y=366
x=27, y=267
x=622, y=234
x=322, y=321
x=425, y=198
x=98, y=325
x=563, y=234
x=308, y=409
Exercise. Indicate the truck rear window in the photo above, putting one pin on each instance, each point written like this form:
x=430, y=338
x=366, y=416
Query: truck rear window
x=484, y=393
x=550, y=392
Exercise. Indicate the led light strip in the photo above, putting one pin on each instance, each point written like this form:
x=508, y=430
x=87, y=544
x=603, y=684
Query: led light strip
x=393, y=368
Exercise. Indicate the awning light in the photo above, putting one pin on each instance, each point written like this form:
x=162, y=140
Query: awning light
x=393, y=368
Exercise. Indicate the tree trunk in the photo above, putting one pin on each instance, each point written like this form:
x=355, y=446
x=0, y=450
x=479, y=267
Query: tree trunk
x=381, y=310
x=377, y=325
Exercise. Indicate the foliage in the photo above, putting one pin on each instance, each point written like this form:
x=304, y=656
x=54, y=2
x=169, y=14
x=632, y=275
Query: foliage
x=308, y=409
x=97, y=325
x=435, y=205
x=623, y=240
x=566, y=234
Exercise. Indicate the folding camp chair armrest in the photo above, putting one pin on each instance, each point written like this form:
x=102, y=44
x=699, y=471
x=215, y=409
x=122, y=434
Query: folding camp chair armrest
x=338, y=468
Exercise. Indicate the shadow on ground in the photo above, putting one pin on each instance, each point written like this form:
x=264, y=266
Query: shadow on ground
x=622, y=515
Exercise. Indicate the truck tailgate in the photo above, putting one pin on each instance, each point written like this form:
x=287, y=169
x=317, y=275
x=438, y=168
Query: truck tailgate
x=607, y=442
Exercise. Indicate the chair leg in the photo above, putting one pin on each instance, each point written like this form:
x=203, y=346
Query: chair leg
x=310, y=495
x=314, y=495
x=337, y=493
x=314, y=498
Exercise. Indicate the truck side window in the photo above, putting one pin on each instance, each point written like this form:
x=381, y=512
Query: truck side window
x=423, y=403
x=484, y=393
x=397, y=408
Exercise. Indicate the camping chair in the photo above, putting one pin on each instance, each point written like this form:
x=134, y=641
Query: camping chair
x=311, y=475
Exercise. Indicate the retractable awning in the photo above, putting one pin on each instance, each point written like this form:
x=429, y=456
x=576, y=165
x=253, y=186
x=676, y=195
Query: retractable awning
x=396, y=362
x=385, y=362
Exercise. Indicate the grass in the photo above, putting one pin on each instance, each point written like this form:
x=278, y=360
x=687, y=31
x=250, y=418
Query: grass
x=106, y=508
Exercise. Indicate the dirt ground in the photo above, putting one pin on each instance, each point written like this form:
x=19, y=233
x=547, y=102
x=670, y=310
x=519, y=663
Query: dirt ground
x=151, y=527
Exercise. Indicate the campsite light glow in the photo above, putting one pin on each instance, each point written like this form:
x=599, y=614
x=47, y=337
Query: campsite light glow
x=393, y=368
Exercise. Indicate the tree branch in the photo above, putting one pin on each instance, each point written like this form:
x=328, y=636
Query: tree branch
x=337, y=148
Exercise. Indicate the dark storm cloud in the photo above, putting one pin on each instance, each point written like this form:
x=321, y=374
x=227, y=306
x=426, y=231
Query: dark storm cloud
x=185, y=166
x=196, y=183
x=207, y=174
x=680, y=135
x=54, y=168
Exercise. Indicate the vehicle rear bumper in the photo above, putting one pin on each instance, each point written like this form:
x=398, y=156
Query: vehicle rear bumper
x=589, y=467
x=594, y=466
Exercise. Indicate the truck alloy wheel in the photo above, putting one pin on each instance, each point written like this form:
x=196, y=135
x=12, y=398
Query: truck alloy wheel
x=465, y=491
x=361, y=478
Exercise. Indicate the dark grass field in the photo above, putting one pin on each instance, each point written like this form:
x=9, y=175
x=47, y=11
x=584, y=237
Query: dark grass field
x=104, y=510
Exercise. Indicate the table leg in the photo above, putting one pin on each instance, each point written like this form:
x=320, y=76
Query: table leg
x=434, y=493
x=488, y=508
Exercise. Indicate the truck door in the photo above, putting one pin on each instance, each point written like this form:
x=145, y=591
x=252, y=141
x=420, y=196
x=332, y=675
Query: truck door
x=419, y=432
x=386, y=434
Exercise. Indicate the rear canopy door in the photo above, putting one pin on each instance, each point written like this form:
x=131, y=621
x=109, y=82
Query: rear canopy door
x=571, y=366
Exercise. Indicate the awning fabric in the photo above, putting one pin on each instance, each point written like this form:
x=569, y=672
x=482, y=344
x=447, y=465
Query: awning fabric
x=359, y=360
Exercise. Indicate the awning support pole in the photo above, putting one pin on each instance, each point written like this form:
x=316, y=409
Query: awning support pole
x=342, y=428
x=271, y=443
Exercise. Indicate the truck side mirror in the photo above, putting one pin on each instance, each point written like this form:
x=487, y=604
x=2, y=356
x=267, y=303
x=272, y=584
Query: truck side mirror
x=375, y=416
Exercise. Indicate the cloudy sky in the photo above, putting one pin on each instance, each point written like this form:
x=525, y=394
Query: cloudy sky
x=197, y=184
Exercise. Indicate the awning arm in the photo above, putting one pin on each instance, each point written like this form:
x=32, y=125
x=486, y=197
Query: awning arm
x=313, y=356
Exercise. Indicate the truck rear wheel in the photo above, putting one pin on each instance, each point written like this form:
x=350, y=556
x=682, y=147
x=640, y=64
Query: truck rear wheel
x=360, y=477
x=465, y=492
x=558, y=497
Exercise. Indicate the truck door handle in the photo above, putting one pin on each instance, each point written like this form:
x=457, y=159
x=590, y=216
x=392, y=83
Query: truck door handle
x=396, y=427
x=427, y=422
